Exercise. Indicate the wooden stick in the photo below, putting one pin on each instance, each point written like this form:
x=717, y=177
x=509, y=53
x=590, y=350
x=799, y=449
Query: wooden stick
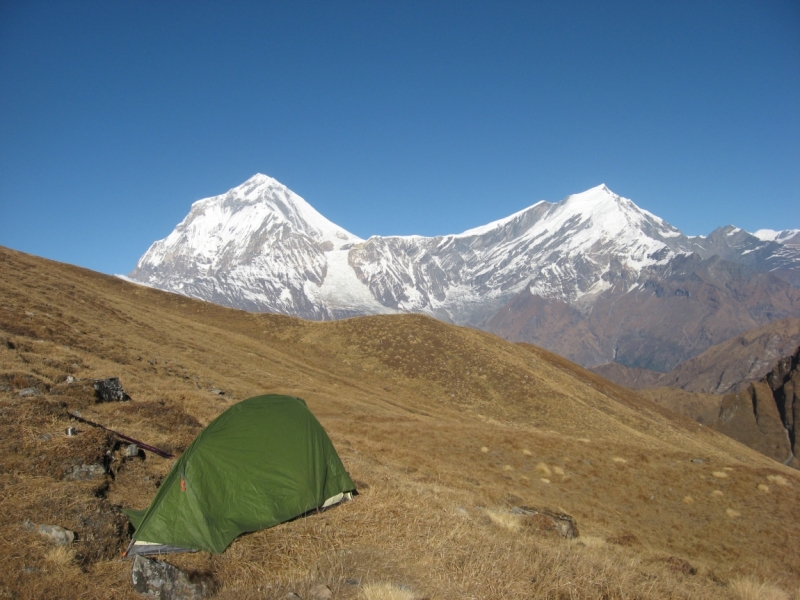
x=153, y=449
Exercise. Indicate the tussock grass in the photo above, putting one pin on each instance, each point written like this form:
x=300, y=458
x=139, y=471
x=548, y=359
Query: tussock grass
x=746, y=588
x=61, y=556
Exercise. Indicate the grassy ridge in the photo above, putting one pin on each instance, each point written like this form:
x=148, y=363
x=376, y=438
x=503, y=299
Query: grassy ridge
x=444, y=429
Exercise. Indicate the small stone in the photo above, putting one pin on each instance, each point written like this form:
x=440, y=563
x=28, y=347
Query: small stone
x=160, y=580
x=70, y=379
x=29, y=391
x=56, y=534
x=698, y=460
x=321, y=592
x=131, y=451
x=217, y=391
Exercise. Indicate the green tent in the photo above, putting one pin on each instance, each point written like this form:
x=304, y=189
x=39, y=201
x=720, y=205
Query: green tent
x=263, y=461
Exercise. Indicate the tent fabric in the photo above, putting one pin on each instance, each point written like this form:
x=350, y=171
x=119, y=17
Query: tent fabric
x=263, y=461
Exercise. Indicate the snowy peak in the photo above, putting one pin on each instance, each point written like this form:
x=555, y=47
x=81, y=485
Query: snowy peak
x=261, y=199
x=790, y=237
x=229, y=228
x=612, y=213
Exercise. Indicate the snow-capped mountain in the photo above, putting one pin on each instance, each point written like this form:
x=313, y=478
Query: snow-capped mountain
x=261, y=247
x=565, y=251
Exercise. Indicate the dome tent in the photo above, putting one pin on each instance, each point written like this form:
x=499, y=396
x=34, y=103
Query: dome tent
x=261, y=462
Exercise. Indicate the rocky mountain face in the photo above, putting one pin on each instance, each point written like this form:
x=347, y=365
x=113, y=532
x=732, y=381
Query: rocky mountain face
x=723, y=368
x=667, y=315
x=766, y=414
x=592, y=277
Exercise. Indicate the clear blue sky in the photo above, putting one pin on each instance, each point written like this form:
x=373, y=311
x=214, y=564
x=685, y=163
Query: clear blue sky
x=390, y=117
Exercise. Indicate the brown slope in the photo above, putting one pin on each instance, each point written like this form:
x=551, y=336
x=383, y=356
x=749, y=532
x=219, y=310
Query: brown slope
x=443, y=428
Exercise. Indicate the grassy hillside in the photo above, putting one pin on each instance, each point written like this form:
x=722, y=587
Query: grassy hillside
x=444, y=429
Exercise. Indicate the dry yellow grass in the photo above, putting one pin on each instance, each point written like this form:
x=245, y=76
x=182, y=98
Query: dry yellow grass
x=425, y=442
x=386, y=591
x=747, y=589
x=505, y=519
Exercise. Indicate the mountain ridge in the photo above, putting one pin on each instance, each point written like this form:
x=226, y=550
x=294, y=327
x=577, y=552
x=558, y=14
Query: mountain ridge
x=271, y=251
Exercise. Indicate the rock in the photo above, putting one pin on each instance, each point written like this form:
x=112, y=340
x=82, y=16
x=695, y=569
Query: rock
x=85, y=472
x=55, y=533
x=217, y=391
x=109, y=390
x=160, y=580
x=131, y=451
x=698, y=460
x=70, y=379
x=321, y=592
x=766, y=414
x=29, y=391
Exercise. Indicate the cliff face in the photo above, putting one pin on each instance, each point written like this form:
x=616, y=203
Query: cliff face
x=766, y=414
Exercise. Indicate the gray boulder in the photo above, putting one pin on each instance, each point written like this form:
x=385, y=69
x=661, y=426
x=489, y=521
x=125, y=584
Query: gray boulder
x=109, y=390
x=161, y=581
x=55, y=533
